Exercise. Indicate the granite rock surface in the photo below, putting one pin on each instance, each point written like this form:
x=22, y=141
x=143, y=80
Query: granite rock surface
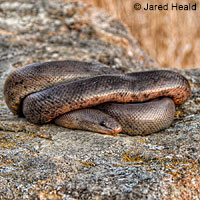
x=50, y=162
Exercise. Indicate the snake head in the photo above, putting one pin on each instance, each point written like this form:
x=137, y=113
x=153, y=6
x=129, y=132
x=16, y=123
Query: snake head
x=90, y=119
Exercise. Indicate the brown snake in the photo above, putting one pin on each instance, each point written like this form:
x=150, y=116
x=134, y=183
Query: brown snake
x=63, y=90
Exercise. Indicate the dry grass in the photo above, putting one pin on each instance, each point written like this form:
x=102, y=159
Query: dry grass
x=170, y=37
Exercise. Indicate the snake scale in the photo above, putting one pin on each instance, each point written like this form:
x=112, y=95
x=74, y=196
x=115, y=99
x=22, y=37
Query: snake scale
x=92, y=96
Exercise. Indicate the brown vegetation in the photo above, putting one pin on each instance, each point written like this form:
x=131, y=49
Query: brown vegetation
x=170, y=37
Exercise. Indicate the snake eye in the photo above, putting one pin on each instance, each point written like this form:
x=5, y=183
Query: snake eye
x=102, y=123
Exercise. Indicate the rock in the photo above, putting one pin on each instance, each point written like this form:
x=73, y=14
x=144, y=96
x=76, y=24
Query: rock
x=50, y=162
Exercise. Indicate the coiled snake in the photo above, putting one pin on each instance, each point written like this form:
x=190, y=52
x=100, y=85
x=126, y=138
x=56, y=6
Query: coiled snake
x=65, y=91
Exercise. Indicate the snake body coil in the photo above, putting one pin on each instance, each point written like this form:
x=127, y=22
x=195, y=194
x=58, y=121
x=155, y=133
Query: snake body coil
x=46, y=91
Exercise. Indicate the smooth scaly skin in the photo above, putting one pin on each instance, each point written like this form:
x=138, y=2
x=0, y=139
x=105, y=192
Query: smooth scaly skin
x=39, y=76
x=141, y=116
x=47, y=104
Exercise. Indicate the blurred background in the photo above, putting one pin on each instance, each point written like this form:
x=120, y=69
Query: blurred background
x=172, y=38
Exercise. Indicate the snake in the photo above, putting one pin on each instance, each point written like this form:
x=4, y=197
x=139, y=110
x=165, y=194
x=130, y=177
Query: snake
x=92, y=96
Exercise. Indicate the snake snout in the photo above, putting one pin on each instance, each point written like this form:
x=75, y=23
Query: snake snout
x=109, y=126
